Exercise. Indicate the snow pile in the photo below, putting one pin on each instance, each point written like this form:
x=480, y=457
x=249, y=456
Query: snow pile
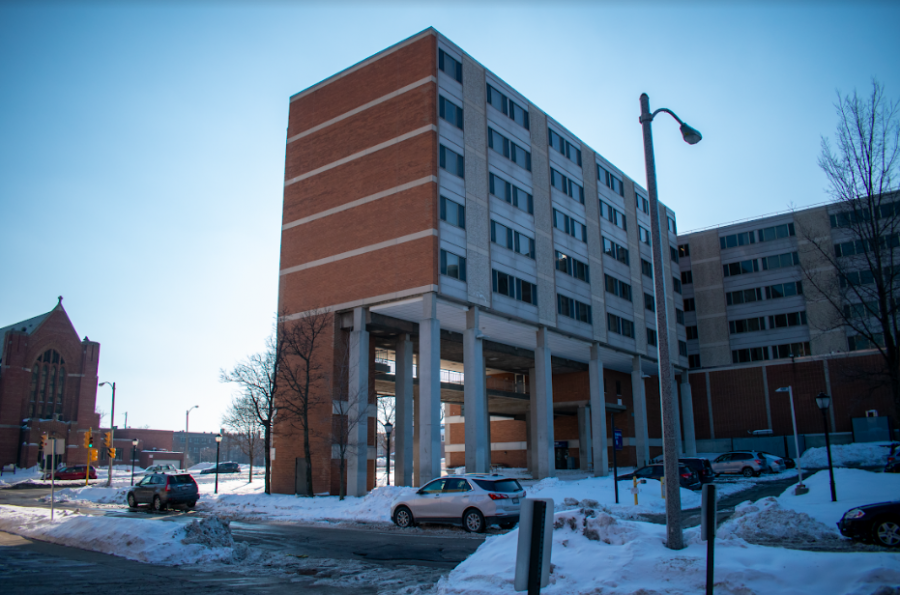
x=598, y=491
x=594, y=553
x=767, y=521
x=96, y=494
x=20, y=476
x=858, y=454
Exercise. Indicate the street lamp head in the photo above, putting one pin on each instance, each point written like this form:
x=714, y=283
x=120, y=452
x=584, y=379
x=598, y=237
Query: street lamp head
x=783, y=389
x=134, y=442
x=104, y=383
x=388, y=427
x=691, y=135
x=218, y=437
x=823, y=401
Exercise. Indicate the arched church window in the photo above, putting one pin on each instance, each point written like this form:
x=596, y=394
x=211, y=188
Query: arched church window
x=60, y=390
x=48, y=378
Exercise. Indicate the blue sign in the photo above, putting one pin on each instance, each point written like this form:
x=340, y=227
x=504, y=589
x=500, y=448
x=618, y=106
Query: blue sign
x=617, y=439
x=562, y=444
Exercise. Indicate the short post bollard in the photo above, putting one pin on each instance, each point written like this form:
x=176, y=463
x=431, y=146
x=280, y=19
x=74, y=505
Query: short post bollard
x=662, y=486
x=535, y=541
x=708, y=531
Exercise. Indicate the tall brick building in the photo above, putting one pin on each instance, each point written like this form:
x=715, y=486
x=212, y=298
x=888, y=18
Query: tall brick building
x=48, y=384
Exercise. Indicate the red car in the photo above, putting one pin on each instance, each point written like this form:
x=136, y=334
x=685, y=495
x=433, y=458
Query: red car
x=73, y=472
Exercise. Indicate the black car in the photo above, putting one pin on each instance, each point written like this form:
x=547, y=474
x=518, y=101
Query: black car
x=223, y=468
x=701, y=467
x=879, y=523
x=687, y=476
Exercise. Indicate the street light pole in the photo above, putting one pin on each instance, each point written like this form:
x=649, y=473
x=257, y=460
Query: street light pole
x=800, y=489
x=388, y=428
x=824, y=401
x=134, y=444
x=674, y=533
x=218, y=442
x=112, y=431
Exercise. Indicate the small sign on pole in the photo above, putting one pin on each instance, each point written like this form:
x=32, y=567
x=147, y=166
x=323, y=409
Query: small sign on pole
x=535, y=541
x=708, y=530
x=617, y=439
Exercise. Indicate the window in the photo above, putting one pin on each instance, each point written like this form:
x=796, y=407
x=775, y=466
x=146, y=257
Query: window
x=684, y=250
x=679, y=316
x=511, y=194
x=571, y=308
x=619, y=325
x=514, y=240
x=565, y=147
x=672, y=227
x=753, y=354
x=450, y=65
x=614, y=216
x=780, y=261
x=649, y=302
x=644, y=235
x=47, y=389
x=694, y=360
x=776, y=233
x=509, y=149
x=691, y=332
x=646, y=268
x=506, y=284
x=567, y=224
x=861, y=310
x=747, y=325
x=784, y=290
x=737, y=239
x=572, y=266
x=453, y=162
x=682, y=349
x=689, y=305
x=740, y=268
x=642, y=203
x=612, y=182
x=787, y=320
x=616, y=251
x=450, y=112
x=651, y=337
x=507, y=107
x=863, y=246
x=855, y=278
x=687, y=277
x=673, y=253
x=677, y=283
x=523, y=245
x=619, y=288
x=858, y=342
x=743, y=296
x=453, y=212
x=790, y=350
x=566, y=186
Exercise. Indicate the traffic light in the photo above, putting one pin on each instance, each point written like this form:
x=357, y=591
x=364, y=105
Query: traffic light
x=94, y=455
x=112, y=453
x=107, y=440
x=88, y=439
x=44, y=442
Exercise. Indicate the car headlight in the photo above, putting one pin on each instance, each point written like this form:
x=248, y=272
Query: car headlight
x=854, y=514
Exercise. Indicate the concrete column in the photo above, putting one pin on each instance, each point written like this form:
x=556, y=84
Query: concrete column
x=542, y=410
x=584, y=437
x=599, y=447
x=529, y=435
x=487, y=416
x=428, y=420
x=403, y=411
x=416, y=479
x=679, y=441
x=474, y=396
x=687, y=412
x=641, y=433
x=712, y=424
x=358, y=401
x=765, y=380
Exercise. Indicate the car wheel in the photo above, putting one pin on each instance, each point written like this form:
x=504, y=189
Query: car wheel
x=158, y=506
x=748, y=472
x=473, y=521
x=190, y=505
x=887, y=533
x=132, y=503
x=403, y=518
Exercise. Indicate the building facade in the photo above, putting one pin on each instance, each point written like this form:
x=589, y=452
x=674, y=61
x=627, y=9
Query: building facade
x=48, y=384
x=438, y=217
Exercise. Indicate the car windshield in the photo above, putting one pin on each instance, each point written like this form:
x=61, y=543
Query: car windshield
x=180, y=479
x=501, y=486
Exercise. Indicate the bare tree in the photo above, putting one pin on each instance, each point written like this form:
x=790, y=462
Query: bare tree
x=257, y=375
x=859, y=276
x=242, y=420
x=207, y=454
x=302, y=373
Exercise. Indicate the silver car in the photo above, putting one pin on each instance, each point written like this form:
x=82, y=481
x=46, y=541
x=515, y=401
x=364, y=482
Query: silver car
x=474, y=501
x=748, y=464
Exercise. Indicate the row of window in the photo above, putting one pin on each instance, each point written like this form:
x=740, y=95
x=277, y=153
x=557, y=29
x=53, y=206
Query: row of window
x=563, y=146
x=861, y=310
x=510, y=286
x=769, y=263
x=48, y=385
x=614, y=216
x=569, y=225
x=450, y=112
x=509, y=149
x=863, y=246
x=767, y=234
x=612, y=182
x=514, y=240
x=616, y=251
x=758, y=323
x=572, y=266
x=858, y=342
x=508, y=107
x=848, y=218
x=566, y=185
x=779, y=290
x=619, y=325
x=757, y=354
x=512, y=194
x=571, y=308
x=619, y=288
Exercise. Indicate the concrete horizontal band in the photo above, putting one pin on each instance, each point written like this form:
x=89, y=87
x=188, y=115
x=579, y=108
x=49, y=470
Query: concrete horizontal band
x=363, y=153
x=386, y=297
x=349, y=452
x=361, y=201
x=354, y=111
x=364, y=250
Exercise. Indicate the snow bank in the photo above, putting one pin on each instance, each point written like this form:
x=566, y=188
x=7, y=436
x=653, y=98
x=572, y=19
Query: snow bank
x=594, y=553
x=96, y=494
x=767, y=521
x=858, y=454
x=599, y=491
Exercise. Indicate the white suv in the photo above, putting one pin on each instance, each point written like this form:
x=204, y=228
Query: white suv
x=473, y=500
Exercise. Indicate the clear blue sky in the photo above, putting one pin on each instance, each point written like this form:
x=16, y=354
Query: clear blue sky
x=142, y=144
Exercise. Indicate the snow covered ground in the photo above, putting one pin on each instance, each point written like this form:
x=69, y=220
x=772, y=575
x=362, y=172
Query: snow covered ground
x=858, y=454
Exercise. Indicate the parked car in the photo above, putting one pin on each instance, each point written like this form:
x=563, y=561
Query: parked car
x=161, y=469
x=746, y=463
x=223, y=468
x=892, y=463
x=161, y=490
x=687, y=476
x=474, y=501
x=879, y=523
x=774, y=462
x=701, y=466
x=73, y=472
